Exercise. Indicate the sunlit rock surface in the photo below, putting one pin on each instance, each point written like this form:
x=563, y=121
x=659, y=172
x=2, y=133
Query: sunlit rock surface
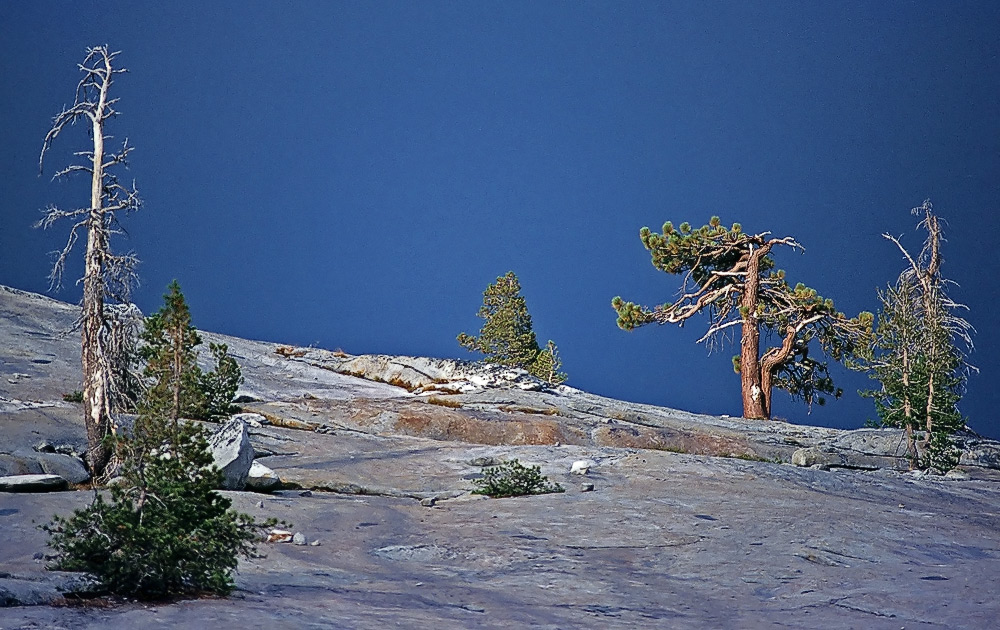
x=376, y=479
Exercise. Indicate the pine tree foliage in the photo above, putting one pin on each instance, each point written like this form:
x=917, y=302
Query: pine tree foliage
x=919, y=353
x=165, y=531
x=171, y=359
x=547, y=364
x=507, y=337
x=179, y=387
x=730, y=276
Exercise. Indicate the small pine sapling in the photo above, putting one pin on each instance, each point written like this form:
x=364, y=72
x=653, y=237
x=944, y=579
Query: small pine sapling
x=513, y=479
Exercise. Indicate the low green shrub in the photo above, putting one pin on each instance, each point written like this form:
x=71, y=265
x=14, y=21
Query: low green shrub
x=512, y=479
x=165, y=532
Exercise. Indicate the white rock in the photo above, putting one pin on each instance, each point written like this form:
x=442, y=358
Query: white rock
x=254, y=420
x=299, y=539
x=261, y=478
x=582, y=466
x=232, y=453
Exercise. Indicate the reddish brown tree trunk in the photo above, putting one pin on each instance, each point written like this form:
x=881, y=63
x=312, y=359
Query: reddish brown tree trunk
x=754, y=398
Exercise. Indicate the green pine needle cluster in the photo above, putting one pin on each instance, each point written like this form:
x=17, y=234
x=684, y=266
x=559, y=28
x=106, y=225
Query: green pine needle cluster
x=513, y=479
x=507, y=337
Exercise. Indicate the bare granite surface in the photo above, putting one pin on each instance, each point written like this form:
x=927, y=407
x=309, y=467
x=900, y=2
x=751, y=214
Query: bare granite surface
x=664, y=539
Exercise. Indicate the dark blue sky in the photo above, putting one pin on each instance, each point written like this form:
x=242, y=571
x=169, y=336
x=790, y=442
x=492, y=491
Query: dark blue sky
x=353, y=175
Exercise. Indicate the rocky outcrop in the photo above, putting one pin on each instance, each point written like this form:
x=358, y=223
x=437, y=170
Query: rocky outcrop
x=232, y=453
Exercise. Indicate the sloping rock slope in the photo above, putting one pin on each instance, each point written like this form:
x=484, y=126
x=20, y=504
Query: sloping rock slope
x=377, y=469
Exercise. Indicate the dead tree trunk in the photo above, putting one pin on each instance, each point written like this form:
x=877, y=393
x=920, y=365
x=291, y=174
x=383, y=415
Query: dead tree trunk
x=106, y=275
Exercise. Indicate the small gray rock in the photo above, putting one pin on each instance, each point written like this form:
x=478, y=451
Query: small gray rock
x=482, y=462
x=586, y=487
x=299, y=539
x=306, y=493
x=260, y=478
x=314, y=543
x=45, y=447
x=428, y=501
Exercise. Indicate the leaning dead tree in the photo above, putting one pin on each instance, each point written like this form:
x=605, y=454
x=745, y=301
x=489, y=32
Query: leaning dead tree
x=107, y=277
x=729, y=276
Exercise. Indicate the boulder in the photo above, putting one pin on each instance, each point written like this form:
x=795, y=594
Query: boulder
x=32, y=483
x=232, y=453
x=19, y=464
x=68, y=467
x=261, y=478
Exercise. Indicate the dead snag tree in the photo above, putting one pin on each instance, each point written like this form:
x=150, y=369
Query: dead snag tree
x=730, y=276
x=106, y=276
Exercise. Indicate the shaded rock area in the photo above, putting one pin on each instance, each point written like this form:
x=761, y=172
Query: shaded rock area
x=375, y=480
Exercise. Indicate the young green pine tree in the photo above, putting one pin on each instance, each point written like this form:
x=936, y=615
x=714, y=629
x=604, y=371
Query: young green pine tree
x=170, y=343
x=918, y=354
x=165, y=531
x=547, y=363
x=507, y=337
x=171, y=359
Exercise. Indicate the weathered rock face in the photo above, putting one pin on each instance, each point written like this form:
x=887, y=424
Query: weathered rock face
x=68, y=467
x=232, y=453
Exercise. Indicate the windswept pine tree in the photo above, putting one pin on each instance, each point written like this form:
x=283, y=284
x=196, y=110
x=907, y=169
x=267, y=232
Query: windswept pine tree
x=507, y=337
x=919, y=353
x=730, y=276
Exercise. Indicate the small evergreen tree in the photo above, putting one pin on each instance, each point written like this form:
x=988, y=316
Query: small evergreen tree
x=170, y=343
x=917, y=354
x=513, y=479
x=219, y=386
x=165, y=531
x=547, y=363
x=171, y=359
x=507, y=337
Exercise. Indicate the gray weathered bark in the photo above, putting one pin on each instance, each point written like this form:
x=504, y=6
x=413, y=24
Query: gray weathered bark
x=106, y=276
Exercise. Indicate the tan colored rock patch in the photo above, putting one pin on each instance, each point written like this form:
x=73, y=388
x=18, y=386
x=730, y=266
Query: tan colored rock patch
x=665, y=439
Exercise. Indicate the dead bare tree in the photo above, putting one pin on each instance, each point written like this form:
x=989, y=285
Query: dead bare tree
x=106, y=276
